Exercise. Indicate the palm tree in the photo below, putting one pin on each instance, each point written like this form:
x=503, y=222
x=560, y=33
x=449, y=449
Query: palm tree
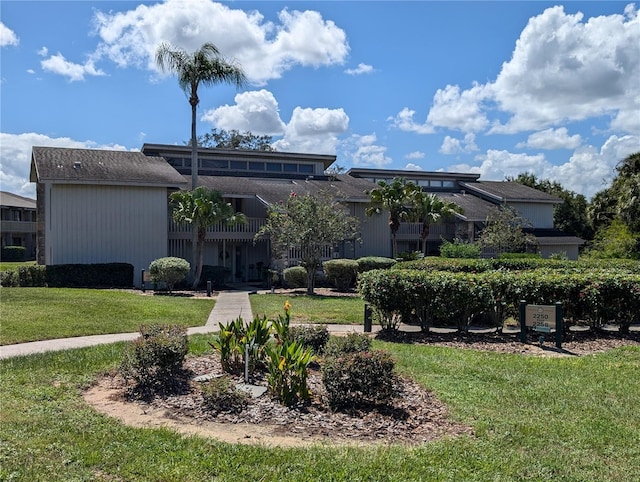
x=392, y=197
x=428, y=209
x=202, y=208
x=205, y=67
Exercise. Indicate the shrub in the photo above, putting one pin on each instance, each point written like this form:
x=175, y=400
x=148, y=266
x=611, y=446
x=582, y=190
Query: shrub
x=9, y=279
x=341, y=272
x=169, y=270
x=111, y=275
x=154, y=360
x=295, y=277
x=287, y=365
x=13, y=253
x=410, y=255
x=352, y=343
x=358, y=378
x=314, y=337
x=369, y=263
x=459, y=249
x=220, y=395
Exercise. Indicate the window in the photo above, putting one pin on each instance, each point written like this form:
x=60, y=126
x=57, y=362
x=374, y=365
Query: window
x=448, y=184
x=214, y=164
x=17, y=216
x=274, y=167
x=305, y=168
x=239, y=165
x=435, y=183
x=256, y=166
x=290, y=167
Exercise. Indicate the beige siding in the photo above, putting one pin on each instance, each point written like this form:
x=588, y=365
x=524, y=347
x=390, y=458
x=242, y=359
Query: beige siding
x=540, y=215
x=103, y=224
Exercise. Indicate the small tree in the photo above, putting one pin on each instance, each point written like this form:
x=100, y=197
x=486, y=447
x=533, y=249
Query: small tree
x=169, y=270
x=308, y=223
x=202, y=208
x=504, y=230
x=430, y=209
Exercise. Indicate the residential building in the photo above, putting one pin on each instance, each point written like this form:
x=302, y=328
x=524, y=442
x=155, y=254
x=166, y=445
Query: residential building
x=99, y=206
x=18, y=222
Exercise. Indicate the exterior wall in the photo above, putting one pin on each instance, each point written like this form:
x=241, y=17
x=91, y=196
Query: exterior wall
x=570, y=250
x=375, y=235
x=104, y=224
x=540, y=215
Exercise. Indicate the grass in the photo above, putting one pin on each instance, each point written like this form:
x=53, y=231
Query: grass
x=6, y=265
x=567, y=419
x=311, y=309
x=30, y=314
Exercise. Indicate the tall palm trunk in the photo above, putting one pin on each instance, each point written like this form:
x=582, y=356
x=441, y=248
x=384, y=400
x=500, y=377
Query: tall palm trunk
x=424, y=235
x=196, y=254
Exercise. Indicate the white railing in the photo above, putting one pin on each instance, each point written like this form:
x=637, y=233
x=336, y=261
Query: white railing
x=295, y=254
x=252, y=226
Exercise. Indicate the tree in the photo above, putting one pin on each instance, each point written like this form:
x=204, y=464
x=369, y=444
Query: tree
x=569, y=216
x=205, y=67
x=503, y=230
x=202, y=208
x=234, y=139
x=430, y=209
x=615, y=241
x=308, y=223
x=391, y=197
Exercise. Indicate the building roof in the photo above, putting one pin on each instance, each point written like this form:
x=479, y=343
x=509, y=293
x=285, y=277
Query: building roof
x=475, y=208
x=93, y=166
x=13, y=200
x=508, y=191
x=272, y=191
x=406, y=174
x=553, y=236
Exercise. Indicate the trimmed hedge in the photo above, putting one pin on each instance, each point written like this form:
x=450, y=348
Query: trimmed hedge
x=368, y=263
x=597, y=297
x=106, y=275
x=13, y=253
x=341, y=273
x=295, y=277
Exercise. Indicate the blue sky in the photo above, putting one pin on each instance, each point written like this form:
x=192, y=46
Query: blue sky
x=496, y=88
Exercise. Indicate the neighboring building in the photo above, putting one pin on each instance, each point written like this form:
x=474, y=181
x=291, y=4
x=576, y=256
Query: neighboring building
x=18, y=222
x=99, y=206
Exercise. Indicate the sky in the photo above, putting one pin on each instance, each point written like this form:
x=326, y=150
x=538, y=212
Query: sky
x=495, y=88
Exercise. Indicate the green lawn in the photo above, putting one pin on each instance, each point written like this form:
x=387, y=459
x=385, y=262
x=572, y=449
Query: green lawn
x=30, y=314
x=6, y=265
x=311, y=309
x=561, y=419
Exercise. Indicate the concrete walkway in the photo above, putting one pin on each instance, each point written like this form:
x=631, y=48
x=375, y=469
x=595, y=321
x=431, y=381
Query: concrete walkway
x=229, y=305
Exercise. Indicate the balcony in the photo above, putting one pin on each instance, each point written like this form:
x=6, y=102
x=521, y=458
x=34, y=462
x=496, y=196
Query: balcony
x=17, y=227
x=219, y=232
x=413, y=231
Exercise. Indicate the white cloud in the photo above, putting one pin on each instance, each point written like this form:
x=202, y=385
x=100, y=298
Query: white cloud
x=412, y=167
x=361, y=69
x=7, y=36
x=564, y=69
x=587, y=171
x=552, y=139
x=415, y=155
x=43, y=52
x=265, y=50
x=451, y=145
x=363, y=151
x=57, y=64
x=404, y=121
x=255, y=111
x=458, y=110
x=15, y=152
x=313, y=130
x=31, y=71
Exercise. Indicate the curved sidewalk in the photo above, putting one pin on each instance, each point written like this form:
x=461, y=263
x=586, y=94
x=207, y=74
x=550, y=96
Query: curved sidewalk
x=229, y=305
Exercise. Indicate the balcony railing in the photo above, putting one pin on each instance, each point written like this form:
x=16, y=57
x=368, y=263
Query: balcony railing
x=219, y=231
x=17, y=226
x=413, y=231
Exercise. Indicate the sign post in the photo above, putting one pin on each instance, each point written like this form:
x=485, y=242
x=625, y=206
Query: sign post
x=542, y=319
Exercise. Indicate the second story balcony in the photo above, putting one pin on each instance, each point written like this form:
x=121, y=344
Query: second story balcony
x=220, y=231
x=17, y=226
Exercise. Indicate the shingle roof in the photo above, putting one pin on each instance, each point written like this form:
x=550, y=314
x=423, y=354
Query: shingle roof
x=475, y=209
x=271, y=191
x=505, y=191
x=101, y=167
x=13, y=200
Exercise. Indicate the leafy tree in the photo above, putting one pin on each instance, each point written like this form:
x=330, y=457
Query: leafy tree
x=571, y=215
x=205, y=67
x=430, y=209
x=308, y=223
x=202, y=208
x=615, y=241
x=394, y=198
x=503, y=230
x=234, y=139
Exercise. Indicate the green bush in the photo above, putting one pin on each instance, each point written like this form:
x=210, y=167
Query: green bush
x=369, y=263
x=220, y=395
x=351, y=343
x=459, y=249
x=9, y=279
x=31, y=275
x=295, y=277
x=154, y=360
x=169, y=270
x=13, y=253
x=314, y=337
x=358, y=378
x=341, y=273
x=99, y=275
x=410, y=255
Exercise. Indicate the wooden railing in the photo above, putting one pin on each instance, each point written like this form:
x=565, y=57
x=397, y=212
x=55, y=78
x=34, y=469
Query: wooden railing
x=219, y=230
x=17, y=226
